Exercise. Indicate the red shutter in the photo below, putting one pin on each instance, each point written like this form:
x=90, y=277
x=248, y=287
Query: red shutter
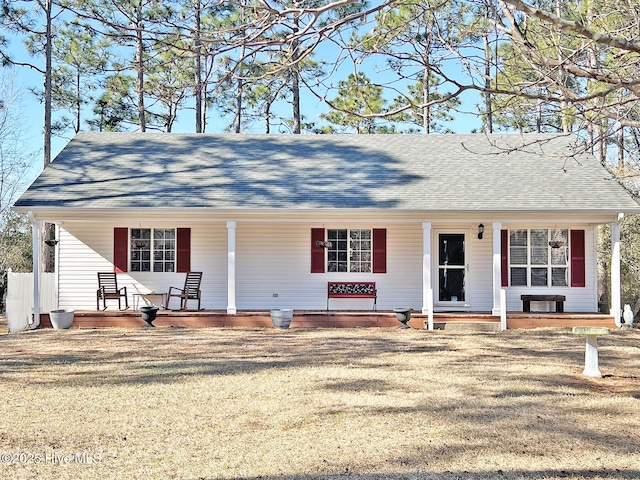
x=183, y=250
x=578, y=263
x=379, y=250
x=504, y=255
x=317, y=253
x=120, y=249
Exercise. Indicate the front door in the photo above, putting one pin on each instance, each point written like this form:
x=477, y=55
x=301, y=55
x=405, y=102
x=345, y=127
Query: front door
x=451, y=268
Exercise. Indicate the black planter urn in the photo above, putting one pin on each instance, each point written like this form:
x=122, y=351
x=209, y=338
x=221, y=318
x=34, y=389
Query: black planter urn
x=403, y=315
x=149, y=314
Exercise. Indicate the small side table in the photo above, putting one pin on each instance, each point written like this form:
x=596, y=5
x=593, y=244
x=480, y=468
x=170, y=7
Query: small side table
x=591, y=368
x=146, y=296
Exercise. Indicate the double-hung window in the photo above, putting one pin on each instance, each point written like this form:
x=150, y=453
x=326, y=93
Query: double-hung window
x=539, y=257
x=350, y=250
x=153, y=250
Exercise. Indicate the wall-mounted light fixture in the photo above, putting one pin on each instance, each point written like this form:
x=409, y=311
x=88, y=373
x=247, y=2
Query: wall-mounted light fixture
x=480, y=231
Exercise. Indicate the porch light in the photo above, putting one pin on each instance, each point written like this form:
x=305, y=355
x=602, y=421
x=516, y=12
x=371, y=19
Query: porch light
x=480, y=231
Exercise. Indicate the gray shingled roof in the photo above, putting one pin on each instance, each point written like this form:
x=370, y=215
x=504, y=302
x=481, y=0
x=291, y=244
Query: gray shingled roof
x=400, y=172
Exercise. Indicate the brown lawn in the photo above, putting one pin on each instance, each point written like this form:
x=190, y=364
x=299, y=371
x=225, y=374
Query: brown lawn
x=362, y=404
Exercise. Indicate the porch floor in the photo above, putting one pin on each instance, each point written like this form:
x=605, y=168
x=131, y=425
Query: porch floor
x=333, y=319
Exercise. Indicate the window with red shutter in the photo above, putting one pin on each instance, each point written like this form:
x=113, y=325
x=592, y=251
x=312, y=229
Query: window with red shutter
x=349, y=250
x=152, y=250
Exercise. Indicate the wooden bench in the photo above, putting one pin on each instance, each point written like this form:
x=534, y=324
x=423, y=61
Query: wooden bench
x=352, y=290
x=527, y=299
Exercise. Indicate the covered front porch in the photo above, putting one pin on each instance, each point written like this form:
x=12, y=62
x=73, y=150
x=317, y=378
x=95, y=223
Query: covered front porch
x=477, y=321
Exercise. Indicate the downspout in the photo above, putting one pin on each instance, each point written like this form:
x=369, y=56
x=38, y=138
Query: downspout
x=616, y=283
x=36, y=242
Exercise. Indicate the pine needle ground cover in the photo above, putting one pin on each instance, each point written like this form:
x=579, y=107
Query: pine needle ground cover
x=362, y=404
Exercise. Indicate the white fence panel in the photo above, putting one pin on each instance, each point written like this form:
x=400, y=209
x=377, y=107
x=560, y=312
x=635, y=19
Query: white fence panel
x=20, y=298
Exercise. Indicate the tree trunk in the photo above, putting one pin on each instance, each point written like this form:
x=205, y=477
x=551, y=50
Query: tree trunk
x=140, y=69
x=295, y=85
x=487, y=73
x=47, y=84
x=198, y=69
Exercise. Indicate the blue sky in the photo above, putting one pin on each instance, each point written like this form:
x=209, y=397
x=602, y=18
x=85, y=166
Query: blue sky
x=33, y=111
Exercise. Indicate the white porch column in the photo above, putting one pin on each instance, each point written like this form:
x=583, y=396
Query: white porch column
x=616, y=304
x=231, y=268
x=497, y=269
x=36, y=244
x=427, y=289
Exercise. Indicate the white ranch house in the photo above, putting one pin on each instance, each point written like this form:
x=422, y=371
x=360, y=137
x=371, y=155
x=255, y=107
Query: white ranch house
x=271, y=219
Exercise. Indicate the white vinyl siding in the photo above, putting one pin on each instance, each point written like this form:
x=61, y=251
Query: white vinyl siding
x=579, y=299
x=273, y=267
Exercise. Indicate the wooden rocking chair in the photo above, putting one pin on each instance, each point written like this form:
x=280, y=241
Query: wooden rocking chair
x=191, y=290
x=108, y=290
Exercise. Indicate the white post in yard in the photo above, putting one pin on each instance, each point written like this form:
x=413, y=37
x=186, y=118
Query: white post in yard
x=591, y=367
x=616, y=282
x=427, y=291
x=498, y=305
x=231, y=268
x=36, y=242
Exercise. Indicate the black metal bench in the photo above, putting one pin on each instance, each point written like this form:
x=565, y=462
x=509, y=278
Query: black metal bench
x=527, y=299
x=352, y=290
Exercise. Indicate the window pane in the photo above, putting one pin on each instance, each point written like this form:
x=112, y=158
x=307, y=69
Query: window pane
x=518, y=256
x=140, y=249
x=540, y=237
x=559, y=256
x=350, y=250
x=539, y=255
x=559, y=277
x=539, y=277
x=518, y=238
x=519, y=276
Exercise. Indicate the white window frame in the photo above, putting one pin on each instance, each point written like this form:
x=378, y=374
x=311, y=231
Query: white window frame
x=358, y=254
x=556, y=258
x=152, y=250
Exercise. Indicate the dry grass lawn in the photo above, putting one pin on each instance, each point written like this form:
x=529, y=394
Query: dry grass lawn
x=363, y=404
